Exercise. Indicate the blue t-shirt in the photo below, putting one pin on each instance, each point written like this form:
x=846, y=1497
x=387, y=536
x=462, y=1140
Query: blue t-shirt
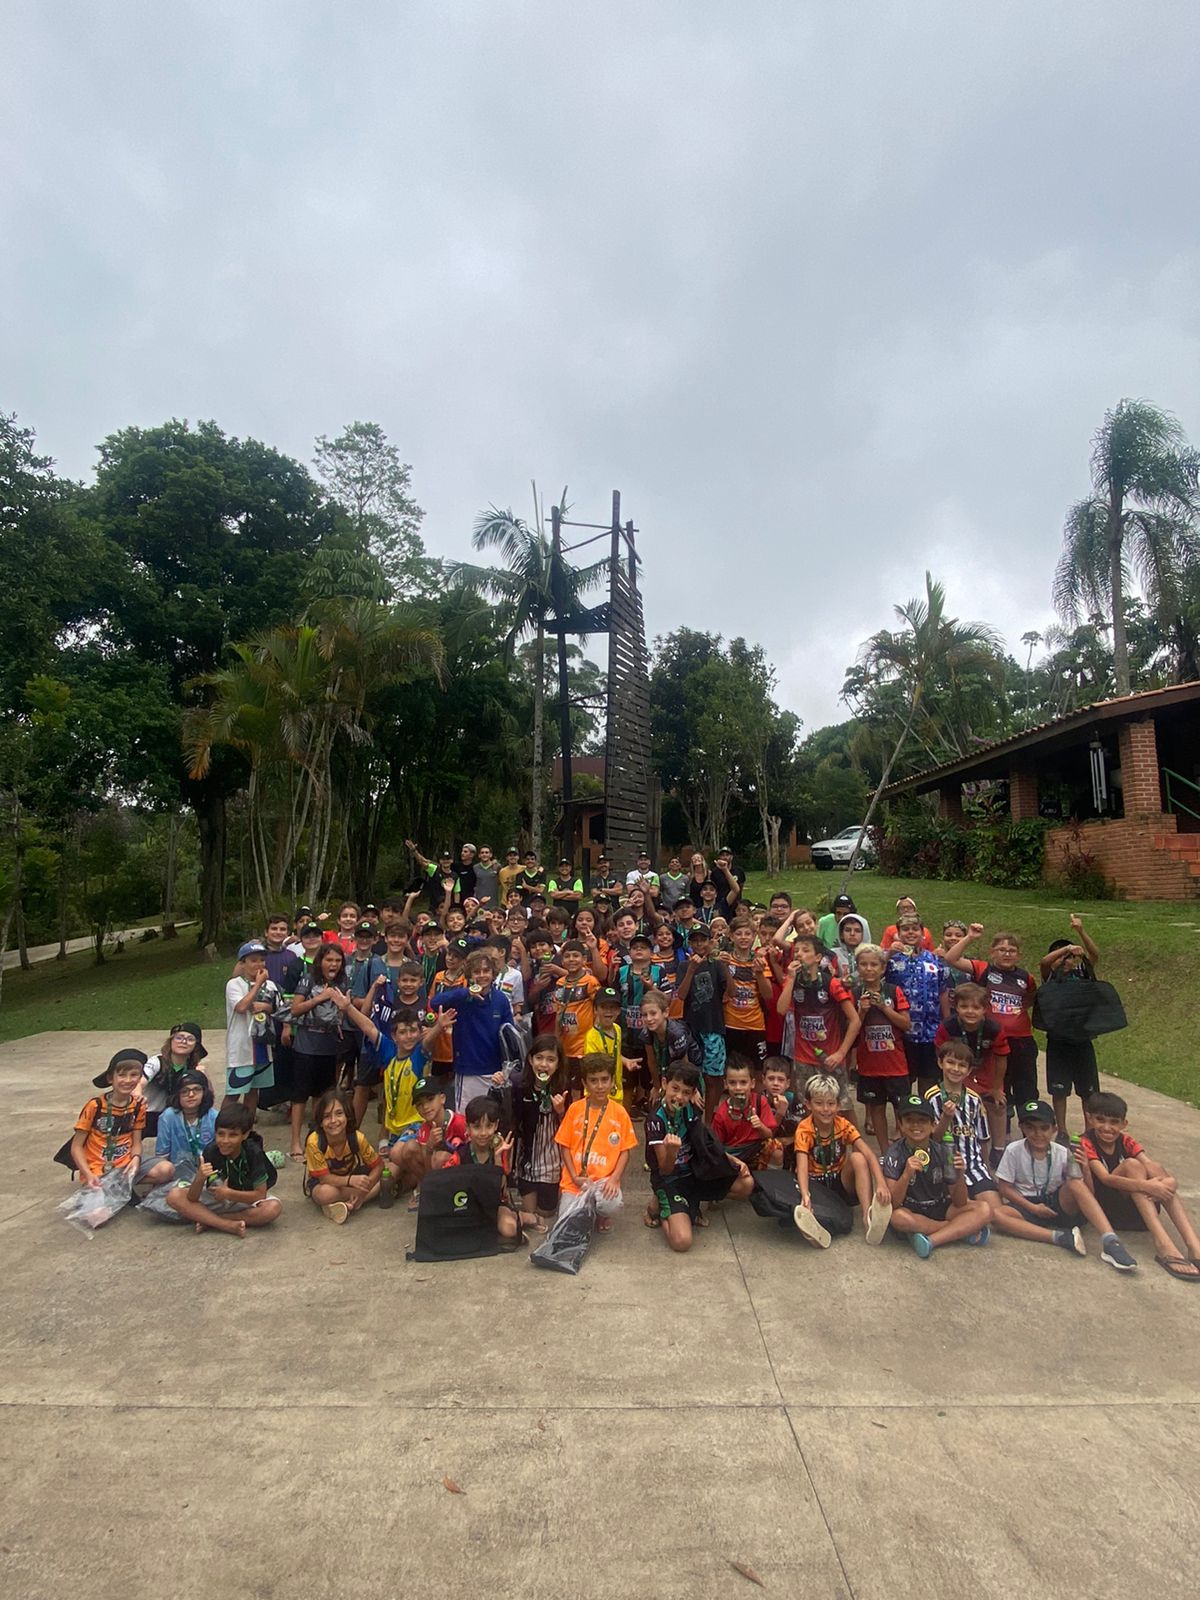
x=478, y=1021
x=922, y=978
x=180, y=1143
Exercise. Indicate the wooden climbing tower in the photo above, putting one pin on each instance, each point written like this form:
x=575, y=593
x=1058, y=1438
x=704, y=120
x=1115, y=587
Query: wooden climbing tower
x=631, y=822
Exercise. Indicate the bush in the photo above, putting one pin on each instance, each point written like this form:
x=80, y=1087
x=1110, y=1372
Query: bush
x=1005, y=853
x=1077, y=870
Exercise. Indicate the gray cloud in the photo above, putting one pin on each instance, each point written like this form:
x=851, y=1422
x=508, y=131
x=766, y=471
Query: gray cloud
x=831, y=293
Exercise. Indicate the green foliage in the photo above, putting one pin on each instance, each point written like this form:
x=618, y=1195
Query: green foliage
x=918, y=844
x=367, y=479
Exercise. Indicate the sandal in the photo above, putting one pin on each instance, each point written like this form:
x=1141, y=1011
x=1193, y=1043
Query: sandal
x=650, y=1221
x=1171, y=1264
x=295, y=1155
x=603, y=1224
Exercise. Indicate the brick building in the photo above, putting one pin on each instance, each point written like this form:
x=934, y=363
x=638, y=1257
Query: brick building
x=1121, y=778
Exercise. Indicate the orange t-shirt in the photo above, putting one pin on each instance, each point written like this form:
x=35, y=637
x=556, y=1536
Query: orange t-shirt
x=742, y=1003
x=826, y=1156
x=573, y=997
x=110, y=1131
x=595, y=1141
x=443, y=1045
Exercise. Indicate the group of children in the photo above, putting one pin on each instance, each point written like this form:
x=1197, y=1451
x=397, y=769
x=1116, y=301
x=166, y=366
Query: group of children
x=520, y=1027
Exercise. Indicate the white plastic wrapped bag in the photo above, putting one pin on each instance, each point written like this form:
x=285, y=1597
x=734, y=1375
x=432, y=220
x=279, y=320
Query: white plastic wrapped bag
x=88, y=1209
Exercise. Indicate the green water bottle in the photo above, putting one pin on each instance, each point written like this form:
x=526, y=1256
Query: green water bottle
x=948, y=1154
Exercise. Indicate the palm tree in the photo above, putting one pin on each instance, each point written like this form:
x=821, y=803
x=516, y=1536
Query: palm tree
x=1139, y=518
x=538, y=590
x=929, y=643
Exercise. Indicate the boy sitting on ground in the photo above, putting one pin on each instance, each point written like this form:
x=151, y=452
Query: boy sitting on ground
x=1135, y=1187
x=744, y=1121
x=676, y=1194
x=929, y=1192
x=1039, y=1179
x=229, y=1191
x=831, y=1151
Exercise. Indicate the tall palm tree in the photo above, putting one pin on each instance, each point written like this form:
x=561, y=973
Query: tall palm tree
x=929, y=642
x=538, y=589
x=1139, y=520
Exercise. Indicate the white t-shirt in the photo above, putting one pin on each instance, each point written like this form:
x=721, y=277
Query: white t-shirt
x=1036, y=1177
x=511, y=983
x=637, y=879
x=239, y=1051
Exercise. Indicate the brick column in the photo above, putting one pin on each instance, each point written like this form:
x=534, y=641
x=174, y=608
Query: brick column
x=1137, y=751
x=1022, y=793
x=950, y=806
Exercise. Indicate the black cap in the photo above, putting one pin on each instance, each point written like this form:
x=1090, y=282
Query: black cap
x=700, y=931
x=364, y=928
x=462, y=944
x=608, y=994
x=445, y=855
x=303, y=911
x=425, y=1089
x=196, y=1032
x=512, y=851
x=844, y=900
x=103, y=1079
x=916, y=1106
x=370, y=907
x=641, y=938
x=310, y=927
x=645, y=853
x=1037, y=1111
x=724, y=851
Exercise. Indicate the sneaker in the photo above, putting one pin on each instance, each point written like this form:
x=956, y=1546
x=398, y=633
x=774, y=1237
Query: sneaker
x=1114, y=1254
x=879, y=1217
x=982, y=1237
x=336, y=1210
x=387, y=1189
x=1070, y=1239
x=810, y=1228
x=921, y=1245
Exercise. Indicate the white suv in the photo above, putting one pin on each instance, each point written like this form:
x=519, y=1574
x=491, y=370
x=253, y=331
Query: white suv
x=836, y=852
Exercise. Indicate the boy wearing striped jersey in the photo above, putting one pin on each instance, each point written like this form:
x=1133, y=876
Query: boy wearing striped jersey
x=960, y=1113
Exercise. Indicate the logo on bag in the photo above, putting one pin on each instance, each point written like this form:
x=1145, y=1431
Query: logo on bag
x=460, y=1200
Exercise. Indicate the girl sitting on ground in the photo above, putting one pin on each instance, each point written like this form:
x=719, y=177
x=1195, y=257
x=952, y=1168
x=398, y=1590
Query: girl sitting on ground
x=183, y=1130
x=342, y=1169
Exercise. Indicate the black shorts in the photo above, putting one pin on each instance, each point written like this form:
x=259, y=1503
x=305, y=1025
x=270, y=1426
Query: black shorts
x=633, y=1070
x=683, y=1193
x=748, y=1044
x=311, y=1076
x=1071, y=1067
x=1062, y=1218
x=922, y=1062
x=881, y=1091
x=1020, y=1072
x=834, y=1181
x=978, y=1186
x=367, y=1071
x=931, y=1210
x=545, y=1195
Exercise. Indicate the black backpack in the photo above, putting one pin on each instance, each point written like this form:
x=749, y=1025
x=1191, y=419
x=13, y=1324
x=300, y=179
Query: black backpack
x=457, y=1214
x=777, y=1194
x=1078, y=1010
x=710, y=1160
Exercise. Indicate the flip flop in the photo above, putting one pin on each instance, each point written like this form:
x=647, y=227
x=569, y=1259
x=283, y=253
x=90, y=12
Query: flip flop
x=810, y=1228
x=879, y=1217
x=650, y=1222
x=1170, y=1263
x=295, y=1155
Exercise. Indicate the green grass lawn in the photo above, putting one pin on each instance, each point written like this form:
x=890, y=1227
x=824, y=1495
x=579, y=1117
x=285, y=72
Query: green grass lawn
x=1149, y=951
x=147, y=986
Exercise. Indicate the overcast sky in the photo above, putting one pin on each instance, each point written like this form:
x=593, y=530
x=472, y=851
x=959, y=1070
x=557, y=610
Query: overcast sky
x=832, y=292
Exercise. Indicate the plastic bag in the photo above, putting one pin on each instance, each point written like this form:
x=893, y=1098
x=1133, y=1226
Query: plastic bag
x=564, y=1247
x=89, y=1209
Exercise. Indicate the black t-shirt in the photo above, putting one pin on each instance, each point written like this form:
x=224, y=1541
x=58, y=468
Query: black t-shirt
x=658, y=1124
x=530, y=884
x=246, y=1170
x=928, y=1192
x=703, y=1008
x=464, y=889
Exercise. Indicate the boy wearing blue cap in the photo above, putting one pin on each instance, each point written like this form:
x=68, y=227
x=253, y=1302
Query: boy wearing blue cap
x=250, y=1003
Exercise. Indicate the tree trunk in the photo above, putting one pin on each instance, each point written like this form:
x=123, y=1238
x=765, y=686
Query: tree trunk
x=535, y=804
x=1116, y=584
x=22, y=943
x=4, y=927
x=879, y=788
x=169, y=880
x=18, y=894
x=67, y=856
x=210, y=823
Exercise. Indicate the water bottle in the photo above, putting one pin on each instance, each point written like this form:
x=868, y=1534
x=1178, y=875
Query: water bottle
x=949, y=1151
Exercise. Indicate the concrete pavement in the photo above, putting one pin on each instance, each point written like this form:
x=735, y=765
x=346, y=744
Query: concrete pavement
x=278, y=1416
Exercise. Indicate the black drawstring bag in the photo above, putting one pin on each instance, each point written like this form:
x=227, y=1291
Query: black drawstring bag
x=776, y=1195
x=570, y=1237
x=456, y=1218
x=710, y=1161
x=1078, y=1010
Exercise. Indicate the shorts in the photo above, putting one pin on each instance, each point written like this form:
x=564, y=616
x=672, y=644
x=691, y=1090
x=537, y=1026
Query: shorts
x=931, y=1210
x=978, y=1186
x=1062, y=1218
x=1071, y=1067
x=755, y=1154
x=683, y=1193
x=836, y=1182
x=634, y=1072
x=922, y=1062
x=881, y=1091
x=712, y=1063
x=545, y=1195
x=407, y=1135
x=311, y=1076
x=240, y=1080
x=367, y=1071
x=1020, y=1072
x=750, y=1044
